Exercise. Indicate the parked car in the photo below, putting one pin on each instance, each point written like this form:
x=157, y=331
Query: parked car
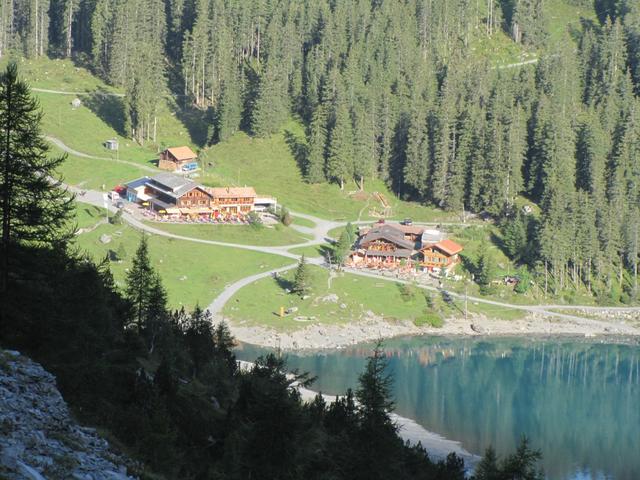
x=120, y=204
x=407, y=221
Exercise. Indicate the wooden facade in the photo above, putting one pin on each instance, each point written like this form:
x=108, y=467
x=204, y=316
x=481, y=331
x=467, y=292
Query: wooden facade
x=443, y=255
x=178, y=159
x=382, y=247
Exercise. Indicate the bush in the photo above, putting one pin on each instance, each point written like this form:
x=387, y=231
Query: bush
x=285, y=217
x=116, y=219
x=408, y=291
x=254, y=220
x=429, y=319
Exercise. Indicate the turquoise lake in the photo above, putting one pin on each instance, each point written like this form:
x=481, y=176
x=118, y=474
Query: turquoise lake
x=577, y=401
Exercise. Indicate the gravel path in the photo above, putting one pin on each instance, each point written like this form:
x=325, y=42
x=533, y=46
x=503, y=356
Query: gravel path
x=320, y=233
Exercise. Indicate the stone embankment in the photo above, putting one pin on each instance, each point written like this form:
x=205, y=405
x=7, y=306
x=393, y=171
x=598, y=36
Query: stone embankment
x=38, y=438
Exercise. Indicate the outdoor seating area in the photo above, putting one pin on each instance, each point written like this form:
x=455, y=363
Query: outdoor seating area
x=190, y=216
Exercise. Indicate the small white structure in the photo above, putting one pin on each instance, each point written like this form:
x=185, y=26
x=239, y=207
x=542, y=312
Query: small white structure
x=76, y=102
x=262, y=204
x=111, y=144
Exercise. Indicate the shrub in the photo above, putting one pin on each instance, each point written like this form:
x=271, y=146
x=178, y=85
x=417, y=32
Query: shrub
x=116, y=219
x=408, y=291
x=254, y=220
x=429, y=318
x=285, y=217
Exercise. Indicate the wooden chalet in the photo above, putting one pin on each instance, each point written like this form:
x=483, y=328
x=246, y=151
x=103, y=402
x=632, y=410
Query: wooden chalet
x=410, y=232
x=233, y=200
x=442, y=255
x=178, y=159
x=169, y=193
x=383, y=246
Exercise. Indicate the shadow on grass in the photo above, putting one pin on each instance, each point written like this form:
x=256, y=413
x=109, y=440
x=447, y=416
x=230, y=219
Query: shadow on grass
x=499, y=242
x=199, y=123
x=109, y=109
x=298, y=149
x=284, y=283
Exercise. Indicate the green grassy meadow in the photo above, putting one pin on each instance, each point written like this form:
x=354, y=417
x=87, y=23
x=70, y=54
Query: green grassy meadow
x=192, y=273
x=88, y=215
x=242, y=234
x=259, y=303
x=81, y=172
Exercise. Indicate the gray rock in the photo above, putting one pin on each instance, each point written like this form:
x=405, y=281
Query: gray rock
x=38, y=438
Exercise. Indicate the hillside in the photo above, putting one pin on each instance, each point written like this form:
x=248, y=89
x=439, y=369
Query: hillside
x=39, y=438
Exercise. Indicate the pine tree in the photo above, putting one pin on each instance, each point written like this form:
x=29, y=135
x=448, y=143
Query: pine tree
x=342, y=247
x=230, y=110
x=374, y=393
x=272, y=105
x=34, y=208
x=340, y=153
x=317, y=141
x=156, y=313
x=364, y=144
x=141, y=278
x=485, y=270
x=416, y=168
x=488, y=468
x=301, y=280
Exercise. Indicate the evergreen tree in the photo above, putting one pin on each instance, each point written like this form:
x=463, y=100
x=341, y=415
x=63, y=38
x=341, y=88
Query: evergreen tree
x=34, y=208
x=140, y=281
x=272, y=105
x=317, y=141
x=340, y=152
x=301, y=280
x=488, y=468
x=342, y=247
x=485, y=270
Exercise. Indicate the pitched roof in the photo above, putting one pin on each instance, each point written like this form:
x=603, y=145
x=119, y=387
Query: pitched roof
x=400, y=253
x=138, y=182
x=388, y=233
x=182, y=153
x=232, y=192
x=448, y=246
x=407, y=229
x=172, y=184
x=432, y=236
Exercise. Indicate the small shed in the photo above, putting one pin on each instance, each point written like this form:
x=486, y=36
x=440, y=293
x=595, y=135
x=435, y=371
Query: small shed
x=76, y=102
x=111, y=144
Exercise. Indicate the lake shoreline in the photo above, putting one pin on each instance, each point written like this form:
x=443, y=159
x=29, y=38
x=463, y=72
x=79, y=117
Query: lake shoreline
x=612, y=329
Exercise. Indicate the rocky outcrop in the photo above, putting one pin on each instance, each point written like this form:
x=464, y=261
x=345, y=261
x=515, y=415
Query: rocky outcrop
x=38, y=437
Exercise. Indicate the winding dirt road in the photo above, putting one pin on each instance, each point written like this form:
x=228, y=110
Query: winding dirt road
x=320, y=233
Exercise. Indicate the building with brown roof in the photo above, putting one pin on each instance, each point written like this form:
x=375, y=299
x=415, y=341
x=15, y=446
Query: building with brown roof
x=442, y=255
x=232, y=200
x=178, y=159
x=382, y=246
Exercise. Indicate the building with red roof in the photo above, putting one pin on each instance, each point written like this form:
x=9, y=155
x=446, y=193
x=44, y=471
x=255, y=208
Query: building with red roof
x=443, y=255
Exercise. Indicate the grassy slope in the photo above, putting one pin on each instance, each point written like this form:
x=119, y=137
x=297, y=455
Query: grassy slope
x=243, y=234
x=192, y=272
x=88, y=215
x=270, y=166
x=259, y=303
x=92, y=174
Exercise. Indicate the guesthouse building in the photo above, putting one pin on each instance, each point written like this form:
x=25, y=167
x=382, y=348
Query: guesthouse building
x=440, y=256
x=382, y=246
x=178, y=159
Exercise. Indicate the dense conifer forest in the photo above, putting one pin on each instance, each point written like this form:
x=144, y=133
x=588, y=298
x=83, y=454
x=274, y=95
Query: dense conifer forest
x=165, y=385
x=396, y=90
x=386, y=89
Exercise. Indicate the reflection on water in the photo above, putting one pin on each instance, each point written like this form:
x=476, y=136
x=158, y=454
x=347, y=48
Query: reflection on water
x=577, y=401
